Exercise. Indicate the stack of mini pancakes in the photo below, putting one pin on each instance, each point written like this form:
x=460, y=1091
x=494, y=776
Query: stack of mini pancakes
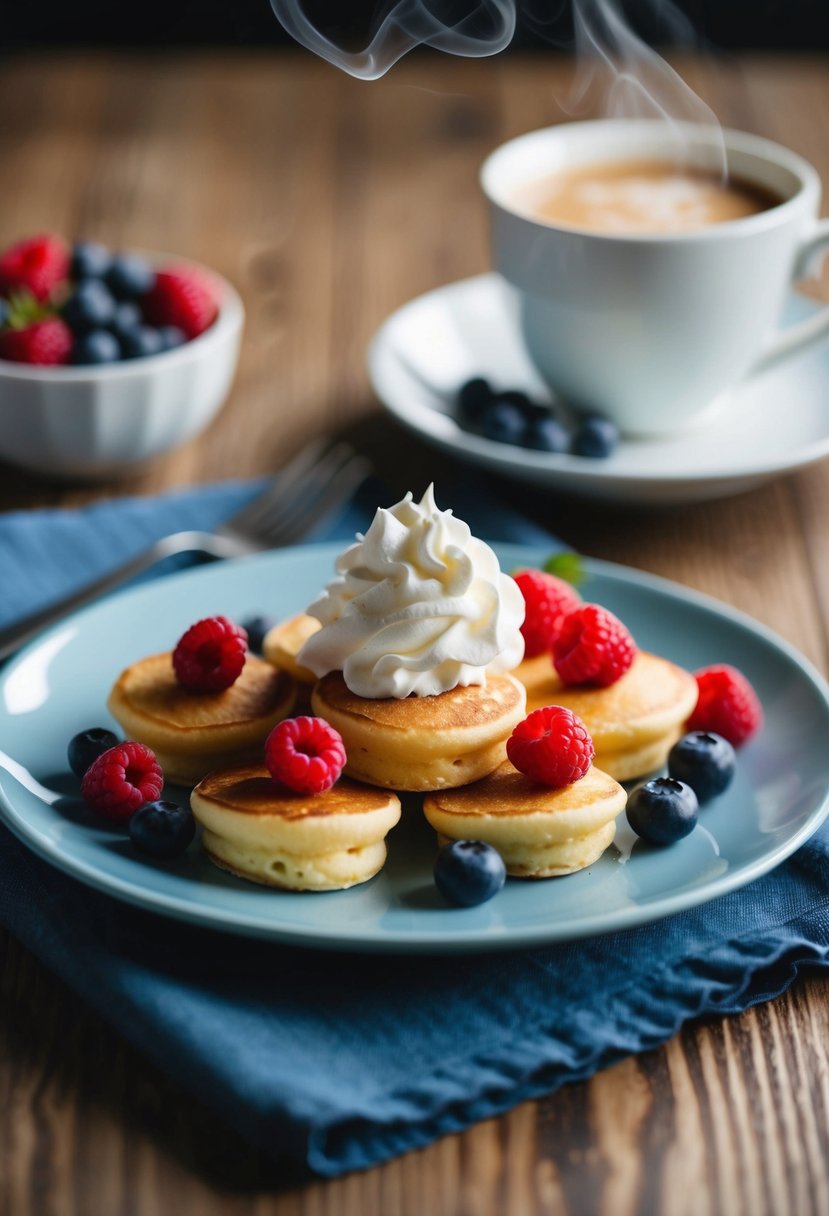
x=319, y=843
x=336, y=839
x=451, y=747
x=414, y=744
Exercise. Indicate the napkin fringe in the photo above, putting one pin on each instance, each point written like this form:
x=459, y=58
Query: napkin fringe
x=754, y=971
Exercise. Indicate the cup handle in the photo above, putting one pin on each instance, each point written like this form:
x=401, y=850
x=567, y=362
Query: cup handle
x=797, y=337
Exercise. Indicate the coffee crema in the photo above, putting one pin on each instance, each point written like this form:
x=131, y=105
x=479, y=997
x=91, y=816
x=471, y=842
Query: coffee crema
x=641, y=196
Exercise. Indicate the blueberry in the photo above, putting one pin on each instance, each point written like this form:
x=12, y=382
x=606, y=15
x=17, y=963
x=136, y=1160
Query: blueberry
x=129, y=277
x=534, y=410
x=90, y=260
x=514, y=396
x=547, y=435
x=469, y=872
x=88, y=746
x=138, y=343
x=704, y=761
x=473, y=398
x=98, y=346
x=90, y=306
x=162, y=829
x=662, y=810
x=4, y=312
x=596, y=437
x=126, y=318
x=256, y=627
x=172, y=336
x=504, y=422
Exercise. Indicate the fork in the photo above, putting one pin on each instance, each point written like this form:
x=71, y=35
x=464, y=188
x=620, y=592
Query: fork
x=321, y=477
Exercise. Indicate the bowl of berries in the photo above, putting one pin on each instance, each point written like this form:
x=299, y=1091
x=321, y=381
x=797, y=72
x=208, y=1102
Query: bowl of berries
x=107, y=358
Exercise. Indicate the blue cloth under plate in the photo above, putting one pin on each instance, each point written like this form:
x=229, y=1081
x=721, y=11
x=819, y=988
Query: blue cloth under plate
x=338, y=1062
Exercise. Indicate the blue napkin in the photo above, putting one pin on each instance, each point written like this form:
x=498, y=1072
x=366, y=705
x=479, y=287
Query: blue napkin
x=338, y=1062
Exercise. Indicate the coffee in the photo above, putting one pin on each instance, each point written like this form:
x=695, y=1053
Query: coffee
x=642, y=196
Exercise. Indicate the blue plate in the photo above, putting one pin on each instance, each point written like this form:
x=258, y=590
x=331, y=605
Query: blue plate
x=59, y=685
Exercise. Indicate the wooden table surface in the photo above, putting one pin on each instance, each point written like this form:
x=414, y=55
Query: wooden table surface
x=329, y=202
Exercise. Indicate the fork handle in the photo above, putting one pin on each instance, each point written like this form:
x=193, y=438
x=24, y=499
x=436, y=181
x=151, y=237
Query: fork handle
x=16, y=635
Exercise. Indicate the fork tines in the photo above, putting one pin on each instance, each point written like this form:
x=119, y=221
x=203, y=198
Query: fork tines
x=312, y=485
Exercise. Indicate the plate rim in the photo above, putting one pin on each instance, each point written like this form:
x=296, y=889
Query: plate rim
x=599, y=473
x=438, y=941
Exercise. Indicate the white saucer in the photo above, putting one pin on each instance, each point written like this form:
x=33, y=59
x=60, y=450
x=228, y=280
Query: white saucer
x=423, y=353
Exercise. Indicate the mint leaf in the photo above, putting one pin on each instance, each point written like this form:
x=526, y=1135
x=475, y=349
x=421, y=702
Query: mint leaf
x=568, y=566
x=25, y=309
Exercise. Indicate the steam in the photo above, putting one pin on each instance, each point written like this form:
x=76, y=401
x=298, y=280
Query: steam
x=625, y=78
x=618, y=73
x=485, y=27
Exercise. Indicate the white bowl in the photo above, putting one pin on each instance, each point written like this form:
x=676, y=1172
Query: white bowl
x=101, y=421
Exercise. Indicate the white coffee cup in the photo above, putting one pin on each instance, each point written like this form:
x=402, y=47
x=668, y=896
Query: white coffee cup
x=653, y=330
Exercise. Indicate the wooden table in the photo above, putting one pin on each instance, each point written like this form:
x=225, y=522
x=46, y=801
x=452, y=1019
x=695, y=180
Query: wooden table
x=329, y=202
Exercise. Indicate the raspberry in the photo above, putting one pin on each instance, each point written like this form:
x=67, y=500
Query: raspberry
x=306, y=754
x=37, y=265
x=121, y=780
x=727, y=704
x=592, y=647
x=210, y=655
x=184, y=297
x=548, y=600
x=551, y=746
x=45, y=342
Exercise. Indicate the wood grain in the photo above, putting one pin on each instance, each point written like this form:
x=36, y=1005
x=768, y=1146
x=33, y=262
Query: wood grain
x=330, y=202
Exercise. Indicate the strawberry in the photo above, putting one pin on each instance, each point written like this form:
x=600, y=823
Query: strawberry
x=38, y=265
x=184, y=297
x=48, y=341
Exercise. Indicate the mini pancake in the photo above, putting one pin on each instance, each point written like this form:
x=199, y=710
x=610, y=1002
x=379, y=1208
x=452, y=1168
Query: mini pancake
x=556, y=860
x=539, y=831
x=652, y=698
x=194, y=732
x=423, y=743
x=283, y=642
x=638, y=761
x=258, y=830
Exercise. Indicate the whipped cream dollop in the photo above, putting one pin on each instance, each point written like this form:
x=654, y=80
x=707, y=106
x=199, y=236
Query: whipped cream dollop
x=419, y=605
